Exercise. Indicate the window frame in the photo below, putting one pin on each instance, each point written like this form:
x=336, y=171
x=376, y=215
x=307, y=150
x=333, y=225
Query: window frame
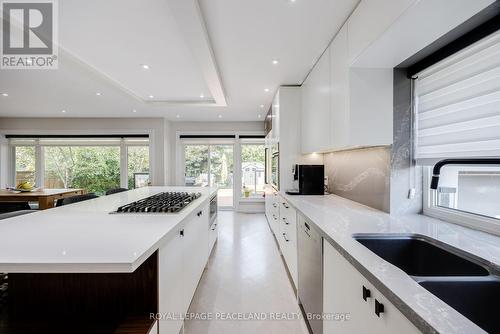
x=463, y=218
x=260, y=142
x=210, y=142
x=239, y=204
x=122, y=144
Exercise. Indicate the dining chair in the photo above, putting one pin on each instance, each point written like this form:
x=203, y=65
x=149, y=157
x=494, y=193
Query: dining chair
x=75, y=199
x=15, y=213
x=115, y=190
x=13, y=206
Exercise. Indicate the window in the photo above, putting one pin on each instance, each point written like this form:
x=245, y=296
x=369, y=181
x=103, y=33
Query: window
x=196, y=165
x=252, y=170
x=221, y=173
x=470, y=189
x=457, y=108
x=211, y=164
x=138, y=166
x=94, y=164
x=95, y=169
x=25, y=164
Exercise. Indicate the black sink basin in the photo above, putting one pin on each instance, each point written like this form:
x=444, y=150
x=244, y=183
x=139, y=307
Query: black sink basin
x=475, y=299
x=419, y=256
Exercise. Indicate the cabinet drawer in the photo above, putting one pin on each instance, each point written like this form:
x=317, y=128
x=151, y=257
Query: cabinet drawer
x=288, y=219
x=287, y=212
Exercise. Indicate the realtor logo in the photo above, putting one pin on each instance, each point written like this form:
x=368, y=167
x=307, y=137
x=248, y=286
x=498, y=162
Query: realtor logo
x=29, y=35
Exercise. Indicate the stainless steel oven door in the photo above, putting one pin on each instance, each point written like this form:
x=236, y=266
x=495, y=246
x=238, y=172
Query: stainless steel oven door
x=275, y=170
x=213, y=210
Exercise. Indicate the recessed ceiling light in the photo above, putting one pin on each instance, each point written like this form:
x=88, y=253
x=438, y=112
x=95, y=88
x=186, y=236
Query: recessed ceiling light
x=133, y=110
x=262, y=106
x=220, y=116
x=202, y=96
x=266, y=90
x=259, y=116
x=5, y=94
x=151, y=96
x=292, y=0
x=145, y=67
x=98, y=94
x=63, y=111
x=178, y=116
x=275, y=61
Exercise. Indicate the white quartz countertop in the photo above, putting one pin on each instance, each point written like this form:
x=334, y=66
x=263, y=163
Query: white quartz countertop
x=339, y=219
x=84, y=237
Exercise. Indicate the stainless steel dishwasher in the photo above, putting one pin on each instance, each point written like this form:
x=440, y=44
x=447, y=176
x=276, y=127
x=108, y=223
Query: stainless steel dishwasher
x=310, y=263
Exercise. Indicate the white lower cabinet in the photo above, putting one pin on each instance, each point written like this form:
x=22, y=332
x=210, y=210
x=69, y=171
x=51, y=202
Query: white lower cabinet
x=268, y=201
x=282, y=218
x=288, y=236
x=272, y=209
x=213, y=234
x=195, y=254
x=344, y=290
x=170, y=285
x=181, y=263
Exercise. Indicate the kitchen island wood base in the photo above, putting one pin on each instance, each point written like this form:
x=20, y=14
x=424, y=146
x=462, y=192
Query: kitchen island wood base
x=114, y=303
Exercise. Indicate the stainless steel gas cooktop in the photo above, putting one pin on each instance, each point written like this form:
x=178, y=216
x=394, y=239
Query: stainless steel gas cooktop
x=165, y=202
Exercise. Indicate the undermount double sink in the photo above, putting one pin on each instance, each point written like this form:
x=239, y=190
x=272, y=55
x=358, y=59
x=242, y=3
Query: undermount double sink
x=461, y=280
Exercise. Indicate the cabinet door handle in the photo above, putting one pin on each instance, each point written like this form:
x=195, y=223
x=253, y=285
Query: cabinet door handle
x=379, y=308
x=200, y=213
x=284, y=237
x=275, y=205
x=215, y=226
x=275, y=218
x=286, y=221
x=366, y=293
x=286, y=205
x=181, y=233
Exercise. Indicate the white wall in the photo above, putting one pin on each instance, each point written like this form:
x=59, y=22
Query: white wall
x=155, y=127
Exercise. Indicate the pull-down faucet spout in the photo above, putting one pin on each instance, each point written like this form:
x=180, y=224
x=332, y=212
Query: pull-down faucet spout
x=472, y=161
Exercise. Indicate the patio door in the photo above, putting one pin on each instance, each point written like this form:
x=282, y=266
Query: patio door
x=211, y=164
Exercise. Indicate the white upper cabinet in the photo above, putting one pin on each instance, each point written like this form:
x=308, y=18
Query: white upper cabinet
x=369, y=21
x=315, y=115
x=276, y=117
x=285, y=131
x=345, y=107
x=370, y=106
x=339, y=113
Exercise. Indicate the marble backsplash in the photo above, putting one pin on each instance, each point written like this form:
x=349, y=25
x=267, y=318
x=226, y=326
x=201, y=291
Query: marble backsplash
x=361, y=175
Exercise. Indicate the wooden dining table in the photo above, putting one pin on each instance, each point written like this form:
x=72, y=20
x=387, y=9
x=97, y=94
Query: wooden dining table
x=45, y=197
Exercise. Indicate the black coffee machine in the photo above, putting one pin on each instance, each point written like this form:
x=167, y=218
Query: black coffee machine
x=310, y=179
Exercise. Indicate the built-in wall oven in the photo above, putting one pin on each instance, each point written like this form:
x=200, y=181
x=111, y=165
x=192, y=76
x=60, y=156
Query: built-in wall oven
x=275, y=170
x=213, y=210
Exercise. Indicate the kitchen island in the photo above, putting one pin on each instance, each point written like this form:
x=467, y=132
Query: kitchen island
x=82, y=268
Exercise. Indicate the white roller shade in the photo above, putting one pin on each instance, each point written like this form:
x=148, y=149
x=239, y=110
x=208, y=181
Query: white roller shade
x=458, y=104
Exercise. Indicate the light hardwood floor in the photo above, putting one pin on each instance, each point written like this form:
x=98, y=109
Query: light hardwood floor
x=245, y=274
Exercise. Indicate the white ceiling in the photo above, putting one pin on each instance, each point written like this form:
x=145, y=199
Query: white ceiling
x=219, y=49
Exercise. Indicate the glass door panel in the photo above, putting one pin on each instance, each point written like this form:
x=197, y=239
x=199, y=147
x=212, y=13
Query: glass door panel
x=196, y=165
x=222, y=172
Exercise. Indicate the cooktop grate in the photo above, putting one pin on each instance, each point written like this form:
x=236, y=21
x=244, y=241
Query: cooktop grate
x=165, y=202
